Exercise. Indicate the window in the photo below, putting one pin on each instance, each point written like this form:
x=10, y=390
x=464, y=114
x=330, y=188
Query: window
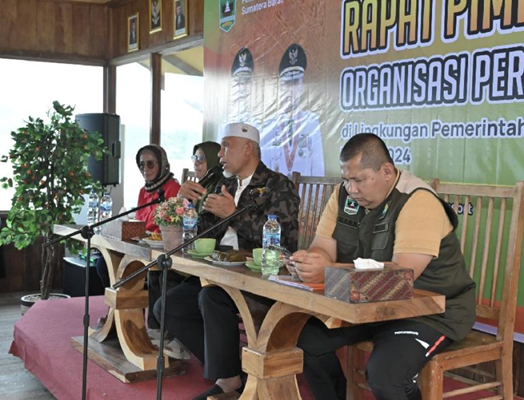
x=29, y=89
x=133, y=104
x=182, y=119
x=181, y=125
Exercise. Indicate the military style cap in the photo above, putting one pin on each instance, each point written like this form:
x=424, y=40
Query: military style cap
x=241, y=130
x=243, y=63
x=293, y=63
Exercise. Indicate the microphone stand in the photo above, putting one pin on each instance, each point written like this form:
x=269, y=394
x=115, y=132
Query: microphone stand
x=164, y=262
x=87, y=233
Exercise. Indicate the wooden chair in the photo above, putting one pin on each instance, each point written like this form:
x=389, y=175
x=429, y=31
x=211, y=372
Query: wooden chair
x=314, y=192
x=187, y=174
x=490, y=233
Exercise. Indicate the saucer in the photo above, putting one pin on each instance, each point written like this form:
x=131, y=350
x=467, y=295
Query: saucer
x=154, y=243
x=253, y=267
x=196, y=254
x=225, y=263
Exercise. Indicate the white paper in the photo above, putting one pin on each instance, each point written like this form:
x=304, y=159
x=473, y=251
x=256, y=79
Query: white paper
x=285, y=281
x=123, y=217
x=367, y=263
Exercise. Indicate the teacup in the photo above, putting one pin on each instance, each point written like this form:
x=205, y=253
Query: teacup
x=257, y=256
x=205, y=245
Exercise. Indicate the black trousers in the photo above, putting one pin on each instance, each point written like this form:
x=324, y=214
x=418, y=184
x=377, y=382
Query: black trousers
x=206, y=321
x=154, y=287
x=401, y=349
x=103, y=273
x=183, y=319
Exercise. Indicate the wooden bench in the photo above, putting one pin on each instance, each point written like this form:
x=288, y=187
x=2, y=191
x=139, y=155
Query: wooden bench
x=490, y=232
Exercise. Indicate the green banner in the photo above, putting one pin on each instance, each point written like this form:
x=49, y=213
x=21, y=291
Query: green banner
x=441, y=81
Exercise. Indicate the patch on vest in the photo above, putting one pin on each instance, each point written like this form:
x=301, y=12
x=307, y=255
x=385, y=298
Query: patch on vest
x=385, y=210
x=351, y=207
x=381, y=228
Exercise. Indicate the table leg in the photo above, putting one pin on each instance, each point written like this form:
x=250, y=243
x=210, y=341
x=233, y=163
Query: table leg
x=106, y=326
x=271, y=359
x=129, y=303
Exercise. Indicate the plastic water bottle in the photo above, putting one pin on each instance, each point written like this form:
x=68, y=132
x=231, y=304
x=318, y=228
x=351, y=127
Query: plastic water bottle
x=271, y=236
x=106, y=207
x=92, y=209
x=190, y=226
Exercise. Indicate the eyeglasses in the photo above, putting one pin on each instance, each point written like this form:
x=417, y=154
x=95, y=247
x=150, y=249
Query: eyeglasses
x=196, y=158
x=149, y=164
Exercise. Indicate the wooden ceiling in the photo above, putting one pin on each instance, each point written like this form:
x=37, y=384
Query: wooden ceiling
x=93, y=1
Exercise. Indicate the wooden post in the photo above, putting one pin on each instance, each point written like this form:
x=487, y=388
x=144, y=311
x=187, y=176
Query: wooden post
x=110, y=89
x=156, y=86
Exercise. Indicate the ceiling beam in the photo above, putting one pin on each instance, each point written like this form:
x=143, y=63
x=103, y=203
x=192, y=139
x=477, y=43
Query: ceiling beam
x=182, y=65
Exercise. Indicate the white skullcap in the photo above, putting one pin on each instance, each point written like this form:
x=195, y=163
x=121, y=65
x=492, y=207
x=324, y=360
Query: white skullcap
x=241, y=130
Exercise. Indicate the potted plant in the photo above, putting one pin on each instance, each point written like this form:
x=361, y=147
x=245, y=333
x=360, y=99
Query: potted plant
x=49, y=162
x=169, y=216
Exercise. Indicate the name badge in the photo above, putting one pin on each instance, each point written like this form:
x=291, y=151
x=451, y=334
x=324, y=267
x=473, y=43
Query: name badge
x=351, y=207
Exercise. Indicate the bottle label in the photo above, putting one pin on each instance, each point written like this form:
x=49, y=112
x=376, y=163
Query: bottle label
x=190, y=223
x=270, y=239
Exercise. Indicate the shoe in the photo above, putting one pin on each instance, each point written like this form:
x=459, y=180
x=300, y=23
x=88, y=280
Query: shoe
x=215, y=389
x=175, y=349
x=101, y=322
x=154, y=336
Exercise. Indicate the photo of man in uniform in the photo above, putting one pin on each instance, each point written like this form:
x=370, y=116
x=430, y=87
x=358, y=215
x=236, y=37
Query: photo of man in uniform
x=292, y=139
x=132, y=33
x=155, y=16
x=180, y=19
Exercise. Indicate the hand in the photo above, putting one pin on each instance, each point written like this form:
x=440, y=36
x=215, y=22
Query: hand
x=222, y=205
x=309, y=266
x=191, y=190
x=290, y=265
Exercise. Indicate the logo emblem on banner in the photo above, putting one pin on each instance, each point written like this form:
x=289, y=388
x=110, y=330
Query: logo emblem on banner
x=227, y=14
x=351, y=207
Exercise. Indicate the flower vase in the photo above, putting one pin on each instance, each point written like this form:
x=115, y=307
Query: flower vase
x=171, y=236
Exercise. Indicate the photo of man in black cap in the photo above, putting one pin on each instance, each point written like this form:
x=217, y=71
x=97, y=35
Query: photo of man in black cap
x=292, y=137
x=241, y=87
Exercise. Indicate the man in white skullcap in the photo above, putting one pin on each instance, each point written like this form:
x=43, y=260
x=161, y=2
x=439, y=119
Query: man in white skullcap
x=189, y=307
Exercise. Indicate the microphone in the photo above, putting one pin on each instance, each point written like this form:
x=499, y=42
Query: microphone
x=161, y=197
x=211, y=174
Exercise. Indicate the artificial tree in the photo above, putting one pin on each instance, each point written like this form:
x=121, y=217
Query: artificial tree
x=50, y=177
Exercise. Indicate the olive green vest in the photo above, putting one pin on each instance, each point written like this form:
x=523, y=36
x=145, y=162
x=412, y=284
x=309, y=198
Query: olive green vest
x=371, y=234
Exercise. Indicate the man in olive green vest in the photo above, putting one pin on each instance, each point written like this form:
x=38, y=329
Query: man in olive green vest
x=385, y=214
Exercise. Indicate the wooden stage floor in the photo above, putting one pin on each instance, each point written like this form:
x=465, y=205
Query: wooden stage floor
x=16, y=383
x=52, y=368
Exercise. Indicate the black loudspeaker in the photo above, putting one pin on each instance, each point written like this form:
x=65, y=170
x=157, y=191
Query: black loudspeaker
x=107, y=170
x=74, y=274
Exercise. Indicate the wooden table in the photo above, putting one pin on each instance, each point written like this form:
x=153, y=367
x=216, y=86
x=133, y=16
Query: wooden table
x=271, y=357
